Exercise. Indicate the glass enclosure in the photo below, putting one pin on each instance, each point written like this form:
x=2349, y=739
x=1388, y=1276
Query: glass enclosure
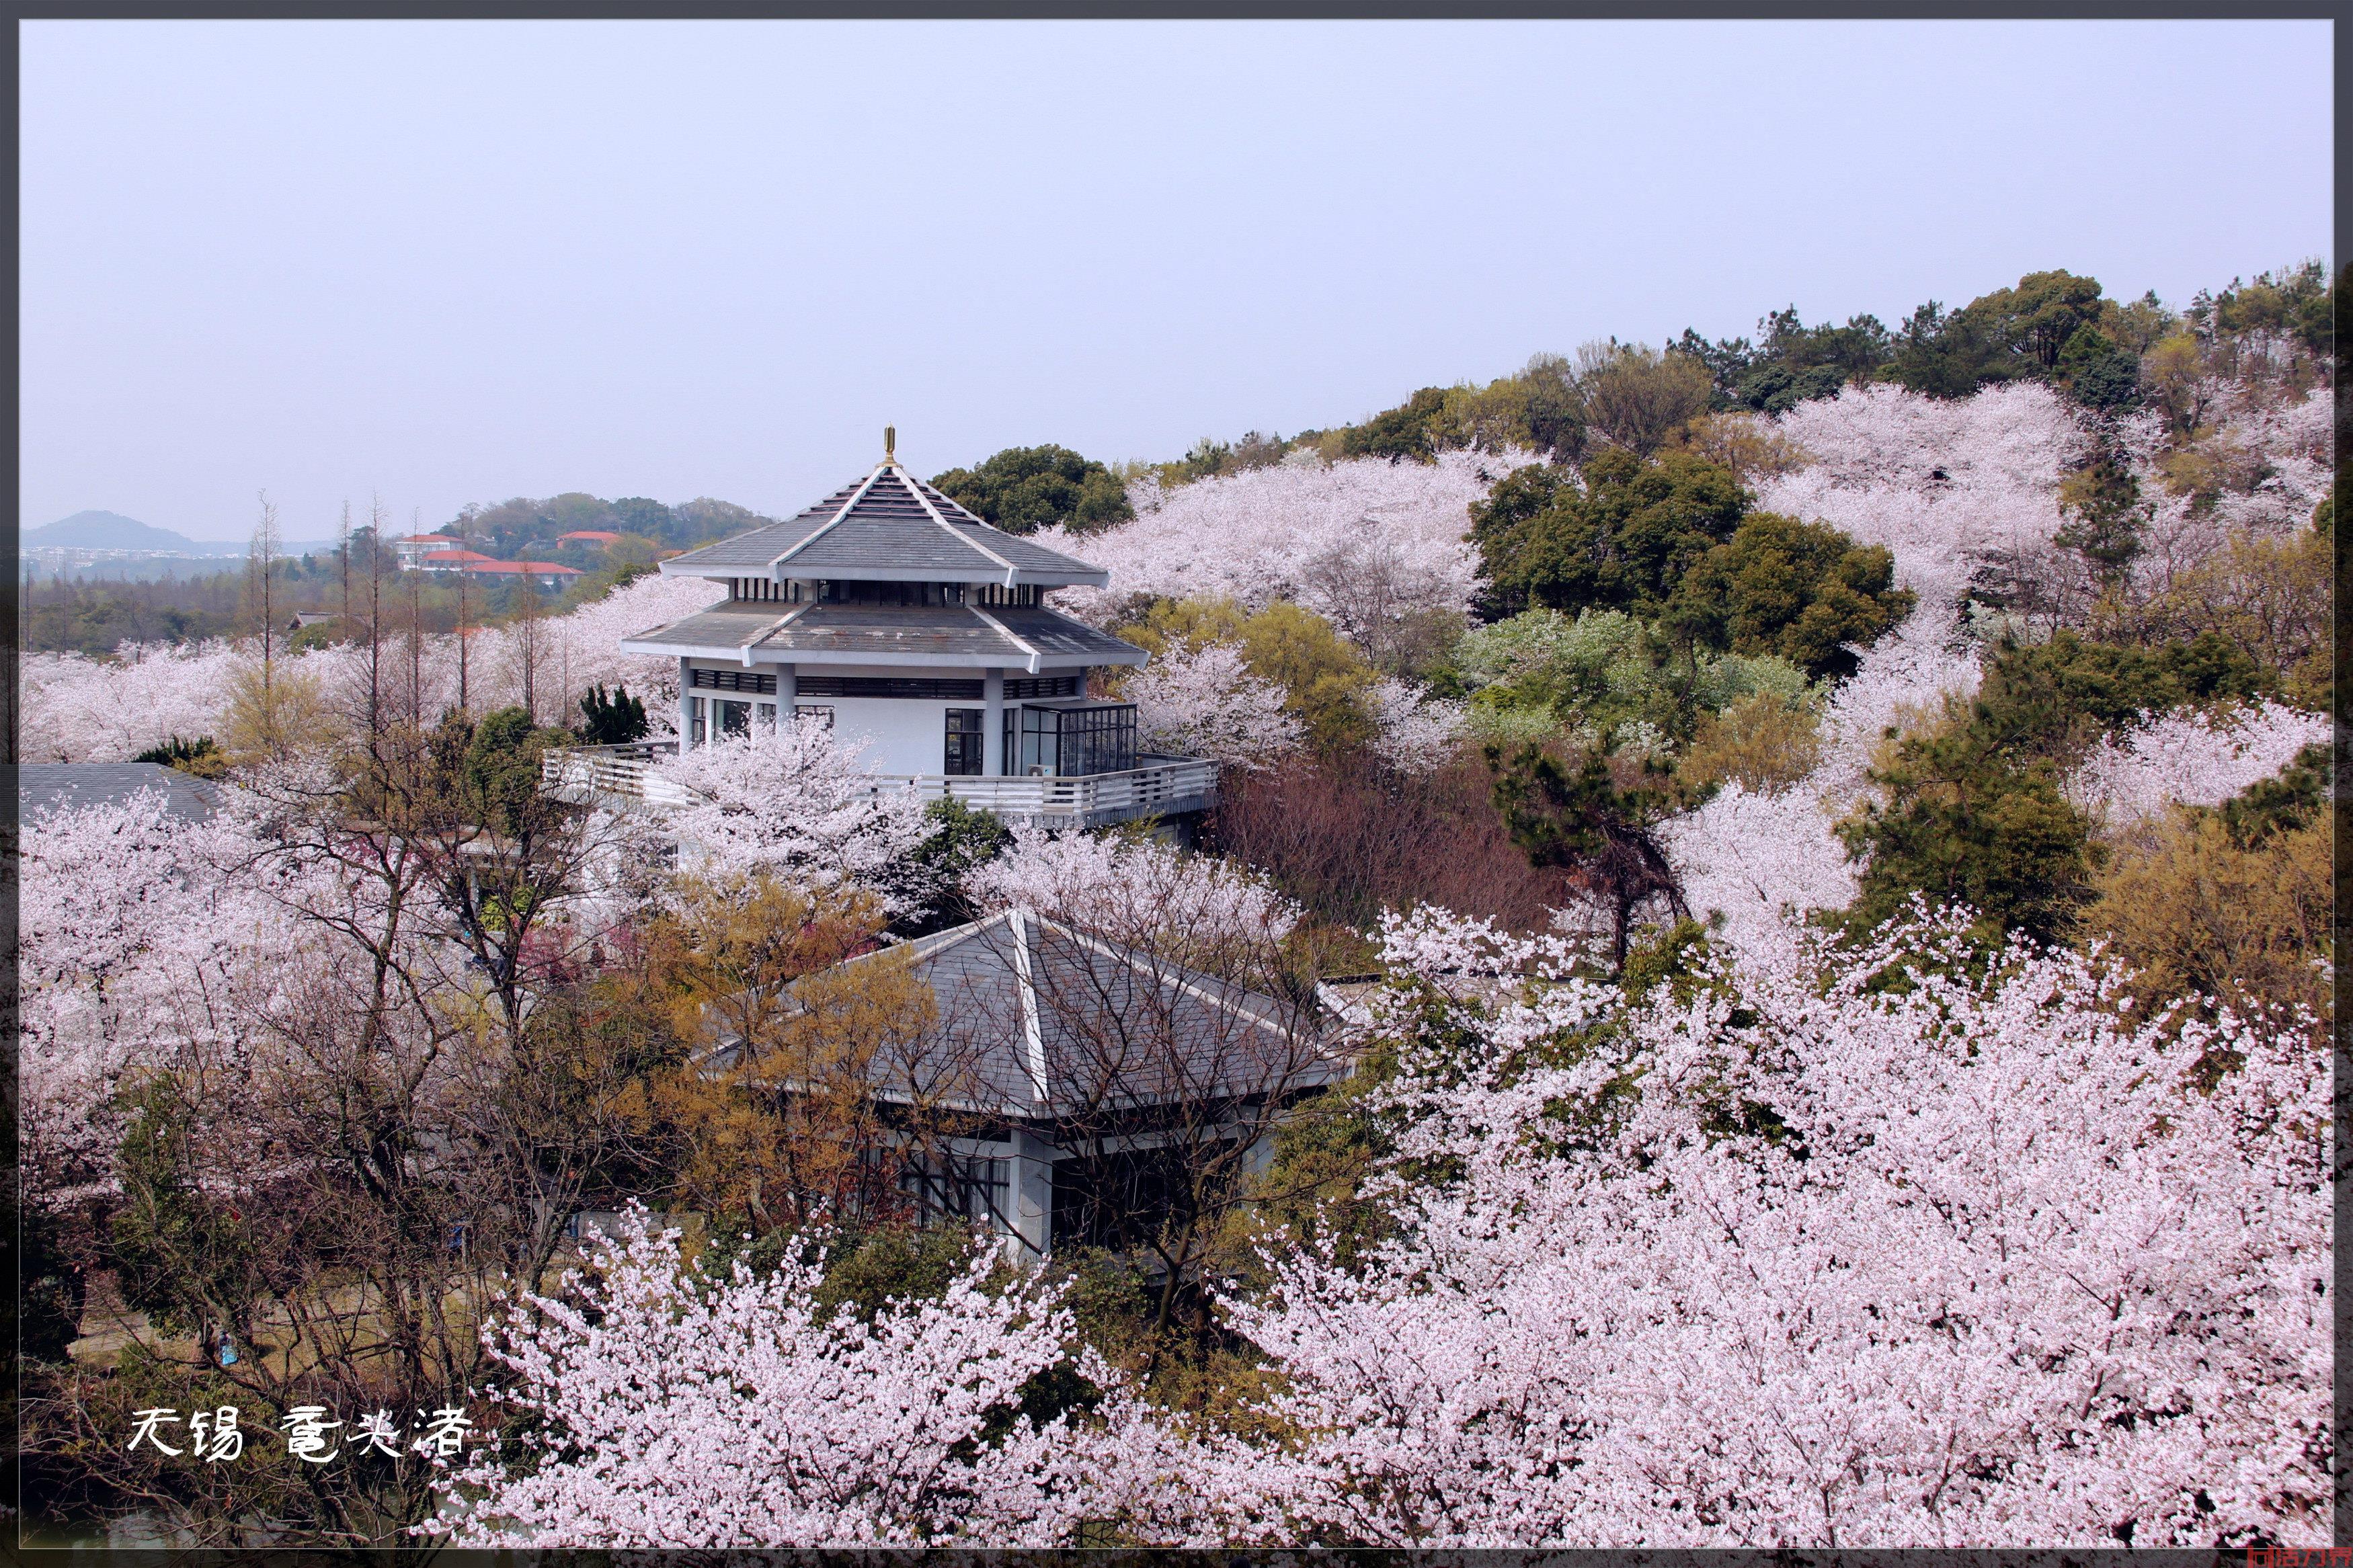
x=1070, y=740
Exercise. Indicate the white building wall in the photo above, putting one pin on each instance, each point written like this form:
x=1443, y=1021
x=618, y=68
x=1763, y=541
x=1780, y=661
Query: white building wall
x=909, y=735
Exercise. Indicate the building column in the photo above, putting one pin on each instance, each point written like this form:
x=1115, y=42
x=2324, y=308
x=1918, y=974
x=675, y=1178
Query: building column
x=788, y=691
x=1033, y=1194
x=992, y=723
x=685, y=708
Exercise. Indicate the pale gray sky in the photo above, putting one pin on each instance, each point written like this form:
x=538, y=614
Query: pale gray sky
x=445, y=262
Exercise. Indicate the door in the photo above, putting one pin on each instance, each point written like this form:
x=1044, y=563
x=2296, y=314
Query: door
x=964, y=742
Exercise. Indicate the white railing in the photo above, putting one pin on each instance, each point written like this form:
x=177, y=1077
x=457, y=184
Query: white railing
x=622, y=770
x=1160, y=783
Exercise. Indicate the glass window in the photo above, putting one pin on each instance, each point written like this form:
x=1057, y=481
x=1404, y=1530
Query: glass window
x=964, y=740
x=734, y=718
x=1075, y=740
x=818, y=713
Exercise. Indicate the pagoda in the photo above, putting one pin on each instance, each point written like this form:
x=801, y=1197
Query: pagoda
x=894, y=617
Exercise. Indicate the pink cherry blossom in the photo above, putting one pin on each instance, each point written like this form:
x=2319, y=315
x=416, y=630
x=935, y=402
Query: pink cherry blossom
x=787, y=801
x=683, y=1411
x=1206, y=702
x=1116, y=882
x=1792, y=1260
x=1354, y=542
x=2195, y=759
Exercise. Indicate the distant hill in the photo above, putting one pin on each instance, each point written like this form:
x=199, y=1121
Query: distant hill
x=111, y=530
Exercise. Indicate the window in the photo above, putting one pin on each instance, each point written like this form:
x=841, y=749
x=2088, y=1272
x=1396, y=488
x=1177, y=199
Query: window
x=882, y=686
x=1042, y=686
x=814, y=713
x=948, y=1185
x=732, y=680
x=694, y=734
x=964, y=740
x=1072, y=740
x=734, y=718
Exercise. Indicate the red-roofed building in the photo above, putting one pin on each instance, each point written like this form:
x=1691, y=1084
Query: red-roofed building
x=450, y=560
x=589, y=536
x=417, y=546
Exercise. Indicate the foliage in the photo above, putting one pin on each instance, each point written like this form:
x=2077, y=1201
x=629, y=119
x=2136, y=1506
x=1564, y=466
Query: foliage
x=961, y=841
x=1620, y=539
x=200, y=756
x=1602, y=674
x=1597, y=817
x=613, y=720
x=1024, y=489
x=1798, y=591
x=1765, y=743
x=1790, y=363
x=770, y=1115
x=2234, y=922
x=1637, y=397
x=1348, y=841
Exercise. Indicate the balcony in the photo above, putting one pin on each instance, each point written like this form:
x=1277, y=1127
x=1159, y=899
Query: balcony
x=621, y=776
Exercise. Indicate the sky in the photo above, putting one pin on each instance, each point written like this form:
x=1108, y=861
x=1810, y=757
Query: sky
x=420, y=263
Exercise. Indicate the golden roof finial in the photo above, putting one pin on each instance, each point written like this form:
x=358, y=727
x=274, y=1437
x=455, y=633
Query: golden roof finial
x=890, y=443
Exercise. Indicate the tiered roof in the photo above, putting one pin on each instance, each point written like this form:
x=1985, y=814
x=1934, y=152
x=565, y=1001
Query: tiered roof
x=888, y=527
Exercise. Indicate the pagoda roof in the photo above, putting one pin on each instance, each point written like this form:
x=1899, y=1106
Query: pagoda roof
x=888, y=527
x=1027, y=1010
x=980, y=637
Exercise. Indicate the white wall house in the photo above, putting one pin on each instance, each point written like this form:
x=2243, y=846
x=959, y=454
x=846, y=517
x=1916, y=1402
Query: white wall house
x=896, y=616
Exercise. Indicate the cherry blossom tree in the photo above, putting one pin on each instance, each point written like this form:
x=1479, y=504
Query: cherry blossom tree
x=1206, y=702
x=1790, y=1259
x=81, y=709
x=137, y=924
x=786, y=801
x=1361, y=542
x=1940, y=482
x=671, y=1410
x=2191, y=758
x=1759, y=861
x=1416, y=732
x=1116, y=882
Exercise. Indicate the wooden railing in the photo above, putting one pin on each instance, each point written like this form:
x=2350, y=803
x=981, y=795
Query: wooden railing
x=1160, y=783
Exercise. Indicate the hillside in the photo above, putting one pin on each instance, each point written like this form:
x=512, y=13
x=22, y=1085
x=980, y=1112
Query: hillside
x=113, y=531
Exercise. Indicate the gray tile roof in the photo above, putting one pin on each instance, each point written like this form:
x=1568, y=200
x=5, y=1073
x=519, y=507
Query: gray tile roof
x=53, y=786
x=1039, y=1020
x=891, y=527
x=994, y=637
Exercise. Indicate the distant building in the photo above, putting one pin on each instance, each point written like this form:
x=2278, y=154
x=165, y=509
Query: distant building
x=589, y=536
x=413, y=549
x=474, y=563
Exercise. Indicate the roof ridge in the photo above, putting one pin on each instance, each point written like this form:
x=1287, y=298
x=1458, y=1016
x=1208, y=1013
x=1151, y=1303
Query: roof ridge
x=834, y=521
x=915, y=489
x=1016, y=638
